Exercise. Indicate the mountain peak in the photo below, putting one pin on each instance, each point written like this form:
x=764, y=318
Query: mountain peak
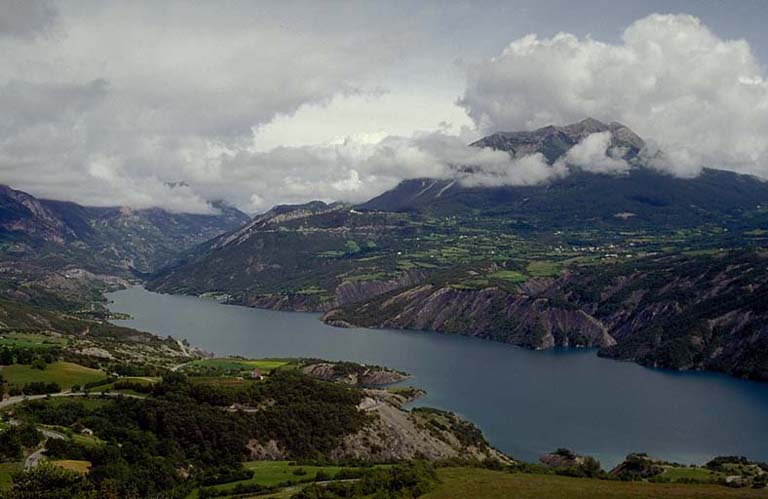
x=554, y=141
x=590, y=122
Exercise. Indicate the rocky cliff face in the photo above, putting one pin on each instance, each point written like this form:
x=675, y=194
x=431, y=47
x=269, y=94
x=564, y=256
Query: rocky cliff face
x=488, y=313
x=395, y=433
x=356, y=291
x=705, y=312
x=22, y=213
x=354, y=374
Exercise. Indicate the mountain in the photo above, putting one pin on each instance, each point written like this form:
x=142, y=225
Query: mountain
x=678, y=312
x=642, y=196
x=554, y=141
x=512, y=263
x=116, y=240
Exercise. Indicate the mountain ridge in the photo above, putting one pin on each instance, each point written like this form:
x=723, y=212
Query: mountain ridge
x=121, y=239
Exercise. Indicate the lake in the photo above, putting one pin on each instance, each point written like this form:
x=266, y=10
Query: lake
x=526, y=402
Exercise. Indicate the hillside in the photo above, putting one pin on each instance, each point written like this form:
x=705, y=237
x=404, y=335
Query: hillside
x=678, y=312
x=116, y=240
x=502, y=262
x=488, y=484
x=640, y=197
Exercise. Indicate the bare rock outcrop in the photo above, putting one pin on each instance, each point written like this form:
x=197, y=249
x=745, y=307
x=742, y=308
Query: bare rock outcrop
x=354, y=374
x=487, y=313
x=400, y=434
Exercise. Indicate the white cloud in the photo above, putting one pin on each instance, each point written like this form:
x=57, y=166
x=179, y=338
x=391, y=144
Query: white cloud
x=356, y=170
x=110, y=103
x=592, y=154
x=159, y=92
x=702, y=100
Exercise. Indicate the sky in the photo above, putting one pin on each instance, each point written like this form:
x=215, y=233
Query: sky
x=174, y=104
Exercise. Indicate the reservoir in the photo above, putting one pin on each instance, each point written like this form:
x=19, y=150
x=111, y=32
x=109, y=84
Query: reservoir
x=526, y=402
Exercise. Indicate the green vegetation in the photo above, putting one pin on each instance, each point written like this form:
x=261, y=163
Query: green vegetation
x=232, y=366
x=139, y=444
x=31, y=341
x=684, y=473
x=511, y=276
x=81, y=467
x=543, y=268
x=487, y=484
x=6, y=472
x=278, y=473
x=66, y=374
x=411, y=479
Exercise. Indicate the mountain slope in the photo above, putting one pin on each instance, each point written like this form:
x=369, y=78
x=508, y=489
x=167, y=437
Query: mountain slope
x=119, y=239
x=507, y=263
x=641, y=196
x=554, y=141
x=679, y=312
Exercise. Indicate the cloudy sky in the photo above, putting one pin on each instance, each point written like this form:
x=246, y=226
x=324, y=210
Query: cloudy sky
x=173, y=104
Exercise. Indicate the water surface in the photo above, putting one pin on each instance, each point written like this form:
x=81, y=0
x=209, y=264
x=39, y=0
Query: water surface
x=526, y=402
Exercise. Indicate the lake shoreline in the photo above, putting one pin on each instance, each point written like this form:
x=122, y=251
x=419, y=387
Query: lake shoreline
x=568, y=398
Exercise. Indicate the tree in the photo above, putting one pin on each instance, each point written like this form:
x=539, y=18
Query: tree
x=6, y=356
x=49, y=482
x=10, y=445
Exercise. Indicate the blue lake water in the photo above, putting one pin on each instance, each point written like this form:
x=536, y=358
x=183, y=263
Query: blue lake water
x=526, y=402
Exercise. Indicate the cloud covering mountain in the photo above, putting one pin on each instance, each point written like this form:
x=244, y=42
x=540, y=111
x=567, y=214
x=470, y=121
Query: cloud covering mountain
x=147, y=104
x=702, y=100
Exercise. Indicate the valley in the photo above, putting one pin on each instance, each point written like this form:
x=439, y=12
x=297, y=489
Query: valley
x=216, y=400
x=513, y=264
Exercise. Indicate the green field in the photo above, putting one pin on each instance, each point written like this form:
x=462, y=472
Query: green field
x=145, y=381
x=701, y=474
x=217, y=380
x=544, y=268
x=269, y=473
x=86, y=440
x=65, y=374
x=233, y=364
x=91, y=402
x=6, y=471
x=29, y=340
x=509, y=275
x=459, y=483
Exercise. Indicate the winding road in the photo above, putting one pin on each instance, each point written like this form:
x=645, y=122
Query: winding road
x=35, y=458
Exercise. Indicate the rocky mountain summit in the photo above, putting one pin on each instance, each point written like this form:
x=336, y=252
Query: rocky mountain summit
x=554, y=141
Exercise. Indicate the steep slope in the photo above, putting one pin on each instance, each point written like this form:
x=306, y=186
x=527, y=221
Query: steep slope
x=119, y=239
x=24, y=215
x=679, y=312
x=292, y=257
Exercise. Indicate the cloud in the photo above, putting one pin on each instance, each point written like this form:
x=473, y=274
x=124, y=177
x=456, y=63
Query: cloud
x=26, y=19
x=592, y=154
x=356, y=170
x=157, y=93
x=173, y=104
x=701, y=100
